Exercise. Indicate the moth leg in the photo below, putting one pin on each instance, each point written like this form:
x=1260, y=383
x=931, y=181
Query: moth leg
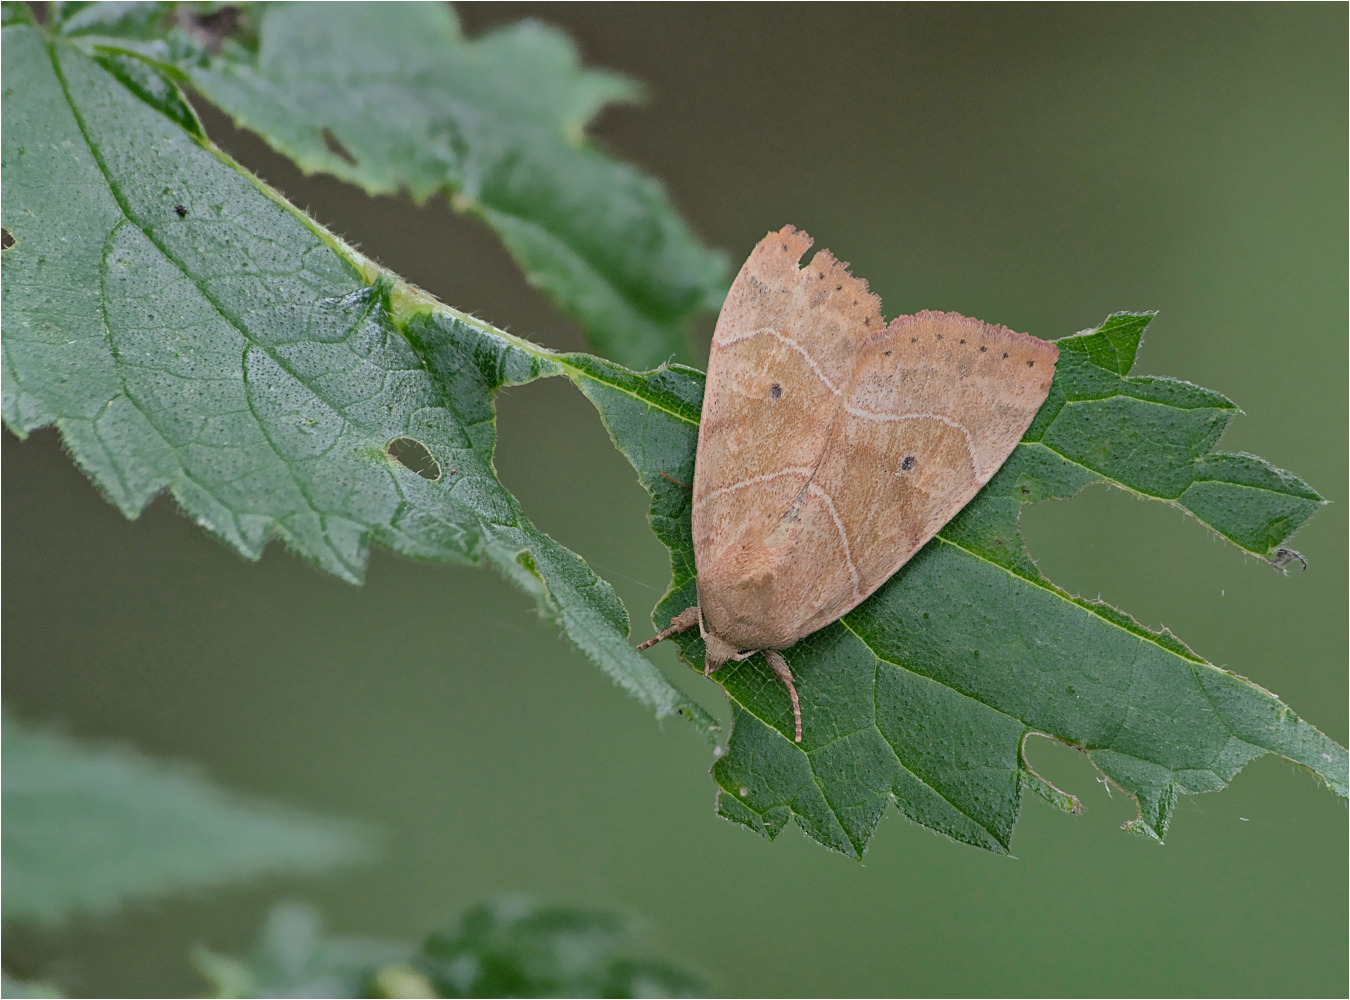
x=687, y=618
x=780, y=668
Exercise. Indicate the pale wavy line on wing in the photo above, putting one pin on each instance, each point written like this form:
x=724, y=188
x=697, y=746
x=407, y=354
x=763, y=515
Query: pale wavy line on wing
x=819, y=491
x=803, y=470
x=861, y=414
x=784, y=338
x=816, y=490
x=849, y=408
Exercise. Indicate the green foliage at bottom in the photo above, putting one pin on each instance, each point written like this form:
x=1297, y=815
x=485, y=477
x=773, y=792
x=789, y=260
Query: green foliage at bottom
x=509, y=948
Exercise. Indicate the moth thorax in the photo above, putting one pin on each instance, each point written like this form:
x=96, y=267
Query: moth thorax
x=747, y=611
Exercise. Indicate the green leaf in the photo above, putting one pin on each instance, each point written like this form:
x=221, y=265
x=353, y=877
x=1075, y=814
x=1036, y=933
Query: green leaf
x=925, y=694
x=393, y=97
x=35, y=990
x=186, y=329
x=294, y=957
x=512, y=948
x=88, y=827
x=507, y=948
x=279, y=385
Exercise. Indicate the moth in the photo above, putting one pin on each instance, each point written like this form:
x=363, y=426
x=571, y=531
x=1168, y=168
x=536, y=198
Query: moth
x=834, y=445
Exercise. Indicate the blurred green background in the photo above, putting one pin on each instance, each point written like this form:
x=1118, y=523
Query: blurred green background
x=1034, y=166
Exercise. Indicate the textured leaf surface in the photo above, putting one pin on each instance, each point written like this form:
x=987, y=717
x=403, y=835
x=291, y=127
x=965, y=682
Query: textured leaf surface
x=89, y=827
x=507, y=948
x=188, y=330
x=926, y=693
x=393, y=97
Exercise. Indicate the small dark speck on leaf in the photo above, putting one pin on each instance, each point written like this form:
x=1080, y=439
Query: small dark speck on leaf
x=181, y=210
x=6, y=239
x=415, y=456
x=335, y=147
x=212, y=28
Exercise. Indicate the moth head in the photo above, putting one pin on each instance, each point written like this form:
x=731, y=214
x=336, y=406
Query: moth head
x=720, y=651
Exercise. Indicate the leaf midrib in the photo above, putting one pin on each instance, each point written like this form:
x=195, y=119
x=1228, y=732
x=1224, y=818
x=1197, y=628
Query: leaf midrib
x=130, y=218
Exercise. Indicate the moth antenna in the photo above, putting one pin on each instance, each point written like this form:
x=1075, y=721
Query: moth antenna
x=780, y=668
x=687, y=618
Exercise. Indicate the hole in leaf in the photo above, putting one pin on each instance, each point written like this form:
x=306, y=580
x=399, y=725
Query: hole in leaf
x=6, y=239
x=413, y=454
x=335, y=147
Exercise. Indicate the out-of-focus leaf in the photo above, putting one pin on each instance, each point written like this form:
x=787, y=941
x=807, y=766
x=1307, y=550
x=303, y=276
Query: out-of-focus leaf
x=88, y=827
x=28, y=988
x=506, y=948
x=294, y=957
x=925, y=694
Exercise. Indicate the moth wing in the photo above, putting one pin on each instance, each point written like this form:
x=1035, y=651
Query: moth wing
x=936, y=406
x=783, y=356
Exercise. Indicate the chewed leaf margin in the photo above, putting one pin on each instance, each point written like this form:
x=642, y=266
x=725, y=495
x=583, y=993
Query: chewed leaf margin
x=926, y=693
x=226, y=349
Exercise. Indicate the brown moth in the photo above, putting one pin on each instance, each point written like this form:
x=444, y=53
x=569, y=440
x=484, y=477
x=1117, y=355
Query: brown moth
x=834, y=445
